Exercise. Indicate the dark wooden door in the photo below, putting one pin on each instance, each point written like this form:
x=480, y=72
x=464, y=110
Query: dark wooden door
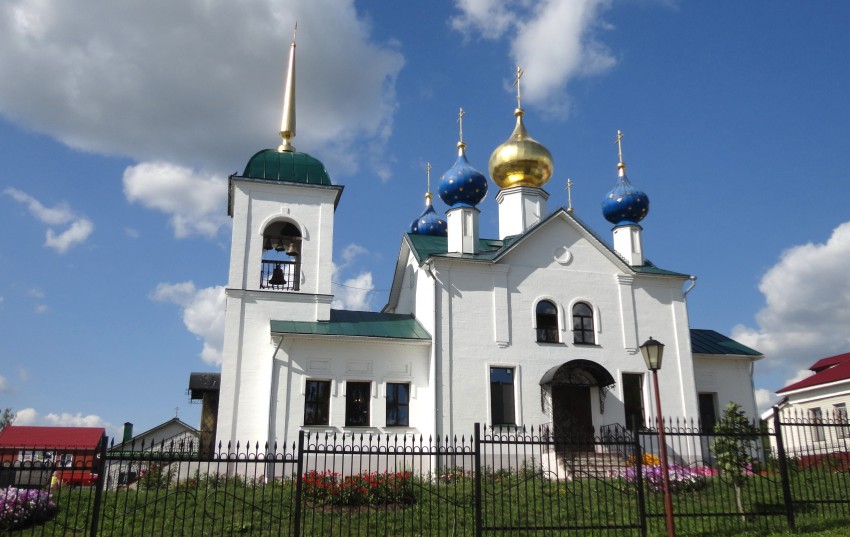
x=571, y=414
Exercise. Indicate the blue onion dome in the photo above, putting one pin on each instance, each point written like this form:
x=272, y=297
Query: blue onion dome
x=429, y=222
x=624, y=205
x=462, y=185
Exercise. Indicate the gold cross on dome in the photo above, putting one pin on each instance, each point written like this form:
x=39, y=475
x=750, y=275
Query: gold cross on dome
x=569, y=190
x=519, y=73
x=619, y=142
x=460, y=115
x=428, y=173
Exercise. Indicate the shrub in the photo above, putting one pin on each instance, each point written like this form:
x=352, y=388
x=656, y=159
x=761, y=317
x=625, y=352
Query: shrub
x=22, y=507
x=332, y=488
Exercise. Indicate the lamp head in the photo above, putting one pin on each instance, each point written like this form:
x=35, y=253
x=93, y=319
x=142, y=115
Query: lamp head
x=652, y=352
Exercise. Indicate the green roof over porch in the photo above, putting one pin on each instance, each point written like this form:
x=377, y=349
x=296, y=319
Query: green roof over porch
x=369, y=324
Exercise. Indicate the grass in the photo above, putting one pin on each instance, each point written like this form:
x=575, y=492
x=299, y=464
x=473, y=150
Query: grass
x=444, y=506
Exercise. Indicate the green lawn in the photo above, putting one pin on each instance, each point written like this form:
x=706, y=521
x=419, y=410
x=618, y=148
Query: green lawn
x=412, y=506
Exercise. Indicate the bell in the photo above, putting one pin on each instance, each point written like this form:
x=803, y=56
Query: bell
x=277, y=277
x=280, y=245
x=292, y=249
x=267, y=243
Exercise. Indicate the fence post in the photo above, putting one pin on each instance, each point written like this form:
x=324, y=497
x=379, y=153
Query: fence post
x=99, y=466
x=638, y=454
x=477, y=506
x=299, y=479
x=783, y=470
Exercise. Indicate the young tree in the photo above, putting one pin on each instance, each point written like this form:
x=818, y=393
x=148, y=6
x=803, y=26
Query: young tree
x=734, y=446
x=7, y=418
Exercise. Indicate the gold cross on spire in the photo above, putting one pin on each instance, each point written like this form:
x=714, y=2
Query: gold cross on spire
x=460, y=122
x=295, y=31
x=619, y=142
x=569, y=190
x=519, y=73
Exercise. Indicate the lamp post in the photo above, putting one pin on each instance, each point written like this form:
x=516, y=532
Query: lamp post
x=652, y=352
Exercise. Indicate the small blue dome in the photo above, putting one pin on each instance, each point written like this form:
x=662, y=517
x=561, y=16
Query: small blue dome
x=429, y=223
x=462, y=185
x=625, y=205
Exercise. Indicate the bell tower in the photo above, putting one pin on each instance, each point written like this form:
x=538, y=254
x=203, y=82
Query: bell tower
x=282, y=207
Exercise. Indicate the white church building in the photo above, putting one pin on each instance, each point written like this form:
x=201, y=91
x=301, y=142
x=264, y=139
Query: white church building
x=539, y=326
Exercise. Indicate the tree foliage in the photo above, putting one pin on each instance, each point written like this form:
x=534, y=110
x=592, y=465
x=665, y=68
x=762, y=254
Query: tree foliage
x=7, y=418
x=733, y=447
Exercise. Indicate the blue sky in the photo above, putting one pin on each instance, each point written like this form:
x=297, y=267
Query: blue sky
x=120, y=123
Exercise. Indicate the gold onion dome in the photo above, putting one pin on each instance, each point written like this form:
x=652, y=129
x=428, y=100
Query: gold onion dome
x=521, y=160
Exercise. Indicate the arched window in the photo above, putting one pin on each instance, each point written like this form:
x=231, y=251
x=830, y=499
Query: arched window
x=281, y=264
x=583, y=324
x=547, y=322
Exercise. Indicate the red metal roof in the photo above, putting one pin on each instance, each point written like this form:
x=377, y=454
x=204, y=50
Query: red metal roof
x=832, y=369
x=19, y=436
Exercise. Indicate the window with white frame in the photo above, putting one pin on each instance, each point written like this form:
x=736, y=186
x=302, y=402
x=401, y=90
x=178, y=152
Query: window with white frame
x=583, y=333
x=502, y=400
x=546, y=317
x=398, y=404
x=357, y=396
x=843, y=430
x=816, y=416
x=317, y=402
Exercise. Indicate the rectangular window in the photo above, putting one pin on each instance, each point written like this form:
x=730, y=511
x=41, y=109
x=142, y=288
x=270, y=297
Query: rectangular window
x=633, y=399
x=357, y=396
x=398, y=401
x=817, y=424
x=502, y=396
x=707, y=411
x=317, y=402
x=842, y=431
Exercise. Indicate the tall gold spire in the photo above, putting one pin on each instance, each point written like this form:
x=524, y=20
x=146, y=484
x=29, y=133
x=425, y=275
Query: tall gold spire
x=287, y=122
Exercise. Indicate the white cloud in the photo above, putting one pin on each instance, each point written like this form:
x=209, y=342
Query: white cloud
x=195, y=202
x=41, y=308
x=203, y=314
x=195, y=82
x=132, y=233
x=350, y=253
x=569, y=50
x=807, y=307
x=4, y=384
x=765, y=399
x=354, y=293
x=77, y=232
x=36, y=292
x=30, y=416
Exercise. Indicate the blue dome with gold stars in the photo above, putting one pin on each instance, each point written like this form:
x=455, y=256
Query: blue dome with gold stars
x=625, y=205
x=429, y=222
x=462, y=185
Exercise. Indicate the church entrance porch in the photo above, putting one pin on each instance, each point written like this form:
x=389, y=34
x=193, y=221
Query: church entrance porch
x=573, y=392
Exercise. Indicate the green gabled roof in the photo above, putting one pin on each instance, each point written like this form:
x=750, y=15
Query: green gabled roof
x=425, y=246
x=357, y=324
x=711, y=342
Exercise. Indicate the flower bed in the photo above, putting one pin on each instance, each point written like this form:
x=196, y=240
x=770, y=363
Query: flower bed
x=20, y=508
x=332, y=488
x=682, y=478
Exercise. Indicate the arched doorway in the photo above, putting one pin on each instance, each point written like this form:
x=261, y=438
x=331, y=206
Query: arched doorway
x=569, y=388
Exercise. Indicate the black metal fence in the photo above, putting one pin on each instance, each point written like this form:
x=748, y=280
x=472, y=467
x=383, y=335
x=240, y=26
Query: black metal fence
x=497, y=481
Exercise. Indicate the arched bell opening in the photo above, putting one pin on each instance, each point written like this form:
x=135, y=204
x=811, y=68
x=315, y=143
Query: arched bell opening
x=281, y=263
x=572, y=391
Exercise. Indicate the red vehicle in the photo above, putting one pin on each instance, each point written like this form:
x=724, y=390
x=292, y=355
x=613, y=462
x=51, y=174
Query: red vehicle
x=76, y=477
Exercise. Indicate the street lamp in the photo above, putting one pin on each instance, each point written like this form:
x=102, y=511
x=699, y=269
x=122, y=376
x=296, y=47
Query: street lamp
x=652, y=352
